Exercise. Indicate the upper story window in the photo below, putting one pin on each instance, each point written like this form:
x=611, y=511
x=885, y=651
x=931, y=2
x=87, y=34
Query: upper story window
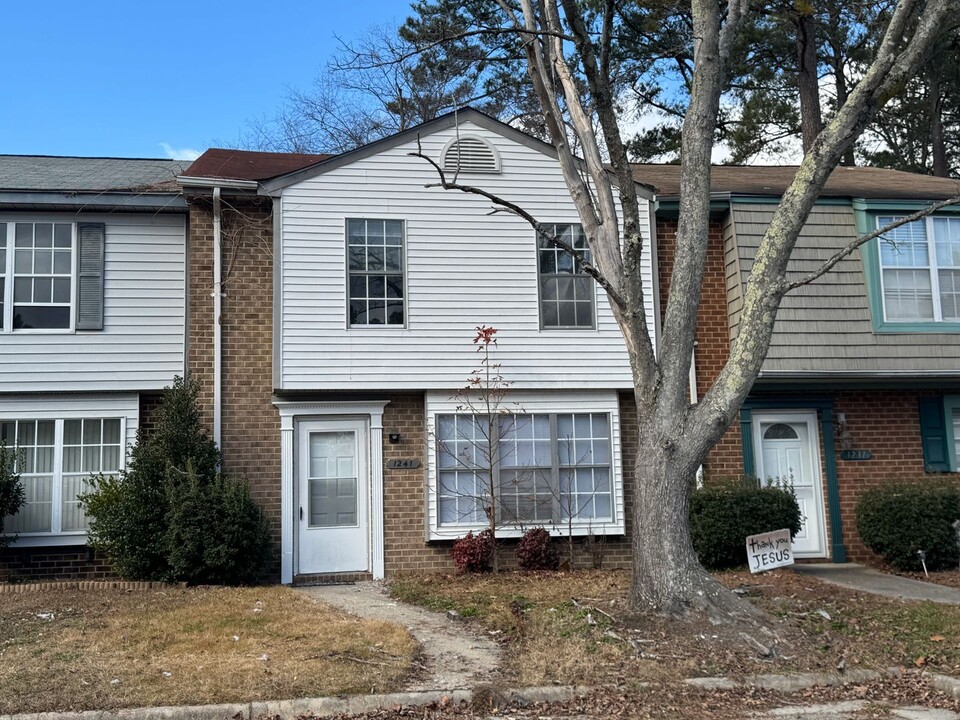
x=566, y=291
x=920, y=270
x=40, y=269
x=375, y=262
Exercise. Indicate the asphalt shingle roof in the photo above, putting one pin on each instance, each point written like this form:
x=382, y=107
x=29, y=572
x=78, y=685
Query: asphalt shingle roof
x=81, y=174
x=856, y=182
x=221, y=163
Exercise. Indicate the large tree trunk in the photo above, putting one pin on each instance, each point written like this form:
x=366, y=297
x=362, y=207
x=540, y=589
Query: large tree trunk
x=668, y=577
x=938, y=145
x=811, y=118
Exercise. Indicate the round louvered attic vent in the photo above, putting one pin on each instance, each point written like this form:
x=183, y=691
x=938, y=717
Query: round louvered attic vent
x=470, y=154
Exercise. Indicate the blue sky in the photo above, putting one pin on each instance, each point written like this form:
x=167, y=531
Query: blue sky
x=151, y=79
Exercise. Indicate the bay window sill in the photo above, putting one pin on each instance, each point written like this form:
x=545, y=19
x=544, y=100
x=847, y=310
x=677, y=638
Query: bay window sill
x=580, y=529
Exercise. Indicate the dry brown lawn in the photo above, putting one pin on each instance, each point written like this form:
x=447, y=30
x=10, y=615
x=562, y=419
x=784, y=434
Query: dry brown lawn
x=575, y=628
x=98, y=649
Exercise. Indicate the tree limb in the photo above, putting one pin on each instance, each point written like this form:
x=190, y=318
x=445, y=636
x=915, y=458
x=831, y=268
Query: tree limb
x=862, y=240
x=507, y=206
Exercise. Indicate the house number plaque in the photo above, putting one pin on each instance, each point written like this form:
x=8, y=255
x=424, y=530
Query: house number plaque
x=403, y=464
x=856, y=455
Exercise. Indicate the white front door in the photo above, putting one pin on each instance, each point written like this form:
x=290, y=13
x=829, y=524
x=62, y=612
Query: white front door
x=788, y=453
x=334, y=497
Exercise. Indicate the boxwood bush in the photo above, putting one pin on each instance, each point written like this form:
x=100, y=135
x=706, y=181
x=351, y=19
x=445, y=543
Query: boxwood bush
x=898, y=519
x=724, y=513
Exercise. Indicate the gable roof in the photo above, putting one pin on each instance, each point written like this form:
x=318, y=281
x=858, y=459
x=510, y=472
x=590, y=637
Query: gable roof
x=227, y=164
x=442, y=122
x=851, y=182
x=40, y=173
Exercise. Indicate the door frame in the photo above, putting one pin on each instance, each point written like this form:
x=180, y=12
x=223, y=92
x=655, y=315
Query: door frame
x=809, y=417
x=292, y=412
x=359, y=427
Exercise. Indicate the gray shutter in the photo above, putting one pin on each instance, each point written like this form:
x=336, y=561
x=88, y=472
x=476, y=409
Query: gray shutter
x=90, y=276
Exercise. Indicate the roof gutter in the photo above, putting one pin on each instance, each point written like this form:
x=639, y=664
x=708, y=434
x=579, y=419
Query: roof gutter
x=216, y=183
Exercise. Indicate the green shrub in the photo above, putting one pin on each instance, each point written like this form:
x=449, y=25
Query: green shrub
x=217, y=534
x=723, y=514
x=11, y=490
x=171, y=516
x=897, y=520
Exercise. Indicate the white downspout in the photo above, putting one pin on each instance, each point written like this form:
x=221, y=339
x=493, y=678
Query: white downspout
x=694, y=398
x=217, y=274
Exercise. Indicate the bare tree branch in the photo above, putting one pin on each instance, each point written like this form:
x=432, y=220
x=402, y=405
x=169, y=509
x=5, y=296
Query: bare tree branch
x=507, y=206
x=863, y=239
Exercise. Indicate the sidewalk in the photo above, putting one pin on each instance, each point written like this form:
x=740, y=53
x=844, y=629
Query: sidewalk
x=858, y=577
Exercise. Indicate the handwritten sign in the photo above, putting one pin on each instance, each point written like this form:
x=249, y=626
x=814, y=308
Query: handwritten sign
x=403, y=464
x=767, y=551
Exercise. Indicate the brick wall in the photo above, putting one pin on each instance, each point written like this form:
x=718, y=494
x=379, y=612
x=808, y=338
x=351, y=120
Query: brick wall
x=886, y=422
x=406, y=548
x=712, y=349
x=250, y=423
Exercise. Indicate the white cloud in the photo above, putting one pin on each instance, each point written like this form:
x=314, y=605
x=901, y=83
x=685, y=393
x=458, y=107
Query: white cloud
x=179, y=153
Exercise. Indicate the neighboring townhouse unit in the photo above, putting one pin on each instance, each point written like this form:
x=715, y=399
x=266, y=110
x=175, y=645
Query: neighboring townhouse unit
x=351, y=293
x=862, y=382
x=92, y=326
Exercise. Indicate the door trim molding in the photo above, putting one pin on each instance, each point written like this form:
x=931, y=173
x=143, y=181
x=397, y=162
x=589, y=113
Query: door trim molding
x=824, y=406
x=290, y=413
x=809, y=417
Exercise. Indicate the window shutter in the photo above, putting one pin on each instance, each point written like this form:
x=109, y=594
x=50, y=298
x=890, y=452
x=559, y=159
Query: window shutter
x=90, y=276
x=933, y=435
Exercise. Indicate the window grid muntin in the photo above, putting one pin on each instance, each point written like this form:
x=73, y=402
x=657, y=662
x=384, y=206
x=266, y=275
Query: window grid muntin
x=34, y=444
x=98, y=449
x=556, y=268
x=556, y=467
x=41, y=268
x=371, y=285
x=937, y=259
x=56, y=476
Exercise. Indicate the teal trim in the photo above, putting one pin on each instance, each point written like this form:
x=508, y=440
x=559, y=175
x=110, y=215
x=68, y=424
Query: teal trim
x=838, y=551
x=746, y=442
x=951, y=404
x=824, y=408
x=933, y=435
x=908, y=206
x=774, y=199
x=870, y=253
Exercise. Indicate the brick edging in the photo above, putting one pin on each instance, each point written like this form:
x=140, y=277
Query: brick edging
x=11, y=588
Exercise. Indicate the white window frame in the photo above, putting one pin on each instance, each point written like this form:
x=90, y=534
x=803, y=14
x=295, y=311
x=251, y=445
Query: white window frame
x=540, y=279
x=346, y=279
x=8, y=272
x=58, y=408
x=533, y=403
x=932, y=268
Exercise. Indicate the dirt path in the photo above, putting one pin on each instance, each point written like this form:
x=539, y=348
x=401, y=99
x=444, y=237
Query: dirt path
x=453, y=656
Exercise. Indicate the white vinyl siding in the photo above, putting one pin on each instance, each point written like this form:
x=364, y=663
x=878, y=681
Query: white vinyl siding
x=465, y=267
x=141, y=345
x=61, y=440
x=562, y=458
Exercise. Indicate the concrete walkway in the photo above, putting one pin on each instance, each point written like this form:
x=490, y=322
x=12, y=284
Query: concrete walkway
x=868, y=580
x=453, y=656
